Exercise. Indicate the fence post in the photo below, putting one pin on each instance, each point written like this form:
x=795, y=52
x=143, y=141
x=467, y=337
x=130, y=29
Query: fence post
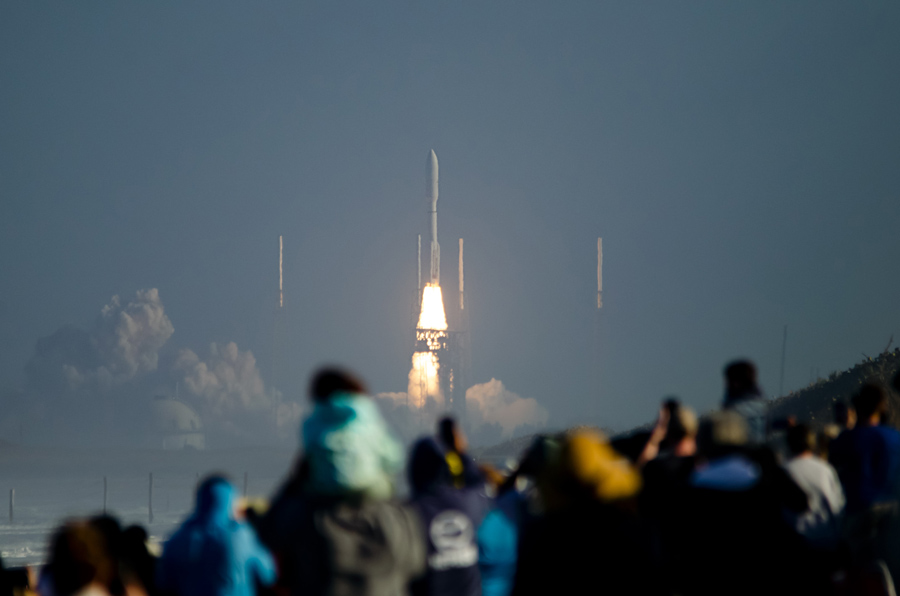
x=150, y=500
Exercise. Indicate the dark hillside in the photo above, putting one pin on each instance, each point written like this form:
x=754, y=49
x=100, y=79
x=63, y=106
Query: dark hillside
x=814, y=404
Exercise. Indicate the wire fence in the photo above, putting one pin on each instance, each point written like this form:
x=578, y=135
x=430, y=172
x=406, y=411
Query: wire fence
x=37, y=505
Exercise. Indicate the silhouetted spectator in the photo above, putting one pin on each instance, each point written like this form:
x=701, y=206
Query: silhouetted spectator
x=212, y=553
x=451, y=512
x=80, y=563
x=824, y=438
x=867, y=458
x=743, y=395
x=589, y=539
x=463, y=469
x=733, y=538
x=666, y=477
x=330, y=525
x=820, y=524
x=498, y=536
x=137, y=565
x=844, y=415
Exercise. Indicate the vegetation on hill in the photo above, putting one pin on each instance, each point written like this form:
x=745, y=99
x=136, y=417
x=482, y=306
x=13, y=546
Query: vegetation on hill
x=815, y=403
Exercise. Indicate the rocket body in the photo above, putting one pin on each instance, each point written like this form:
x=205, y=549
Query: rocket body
x=431, y=192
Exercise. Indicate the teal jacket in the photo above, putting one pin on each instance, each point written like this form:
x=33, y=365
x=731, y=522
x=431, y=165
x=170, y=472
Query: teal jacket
x=349, y=448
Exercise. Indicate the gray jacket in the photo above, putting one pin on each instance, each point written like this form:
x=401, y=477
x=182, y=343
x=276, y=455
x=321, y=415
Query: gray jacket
x=344, y=548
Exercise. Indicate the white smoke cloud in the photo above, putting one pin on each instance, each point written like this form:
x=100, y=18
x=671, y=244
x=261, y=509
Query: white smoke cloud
x=107, y=378
x=129, y=337
x=492, y=403
x=124, y=344
x=493, y=413
x=230, y=394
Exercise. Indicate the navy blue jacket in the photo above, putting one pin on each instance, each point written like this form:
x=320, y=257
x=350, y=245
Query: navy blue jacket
x=451, y=516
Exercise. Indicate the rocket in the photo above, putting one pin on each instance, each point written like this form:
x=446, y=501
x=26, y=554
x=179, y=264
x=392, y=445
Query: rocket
x=431, y=194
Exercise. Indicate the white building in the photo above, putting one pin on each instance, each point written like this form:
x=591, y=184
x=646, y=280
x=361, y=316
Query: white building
x=177, y=426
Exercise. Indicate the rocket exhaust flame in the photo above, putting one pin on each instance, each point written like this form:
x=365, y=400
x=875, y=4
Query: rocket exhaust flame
x=431, y=331
x=432, y=314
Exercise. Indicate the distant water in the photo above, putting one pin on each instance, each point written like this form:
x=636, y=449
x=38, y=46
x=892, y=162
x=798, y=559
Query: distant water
x=52, y=486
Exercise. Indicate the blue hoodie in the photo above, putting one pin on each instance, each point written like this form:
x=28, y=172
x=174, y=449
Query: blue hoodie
x=212, y=554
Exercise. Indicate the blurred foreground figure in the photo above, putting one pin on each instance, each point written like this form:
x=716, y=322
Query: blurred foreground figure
x=589, y=539
x=867, y=459
x=743, y=395
x=213, y=554
x=448, y=492
x=666, y=476
x=123, y=565
x=733, y=537
x=346, y=441
x=821, y=523
x=331, y=526
x=80, y=563
x=498, y=536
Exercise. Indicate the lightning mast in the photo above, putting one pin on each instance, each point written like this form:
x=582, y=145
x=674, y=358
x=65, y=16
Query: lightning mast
x=278, y=332
x=598, y=323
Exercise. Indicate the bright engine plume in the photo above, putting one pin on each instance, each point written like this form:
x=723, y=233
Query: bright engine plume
x=431, y=337
x=432, y=314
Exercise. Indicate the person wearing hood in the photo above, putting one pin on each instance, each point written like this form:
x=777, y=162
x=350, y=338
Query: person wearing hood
x=332, y=525
x=212, y=553
x=448, y=492
x=346, y=441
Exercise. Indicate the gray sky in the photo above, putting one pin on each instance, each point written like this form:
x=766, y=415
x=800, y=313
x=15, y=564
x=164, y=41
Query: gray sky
x=739, y=159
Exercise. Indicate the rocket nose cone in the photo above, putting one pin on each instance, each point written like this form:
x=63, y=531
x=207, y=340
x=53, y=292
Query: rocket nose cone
x=431, y=183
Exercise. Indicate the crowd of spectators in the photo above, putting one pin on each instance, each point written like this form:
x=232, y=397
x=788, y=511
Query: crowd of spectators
x=732, y=503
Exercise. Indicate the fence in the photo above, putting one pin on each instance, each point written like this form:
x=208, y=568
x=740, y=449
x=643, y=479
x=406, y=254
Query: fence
x=157, y=501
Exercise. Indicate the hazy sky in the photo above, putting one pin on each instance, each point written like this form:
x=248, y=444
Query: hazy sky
x=741, y=161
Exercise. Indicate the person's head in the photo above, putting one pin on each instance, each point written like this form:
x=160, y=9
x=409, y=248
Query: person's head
x=428, y=467
x=722, y=433
x=215, y=498
x=844, y=415
x=870, y=404
x=493, y=478
x=332, y=380
x=824, y=439
x=801, y=440
x=110, y=528
x=681, y=430
x=79, y=557
x=534, y=462
x=740, y=380
x=587, y=468
x=451, y=435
